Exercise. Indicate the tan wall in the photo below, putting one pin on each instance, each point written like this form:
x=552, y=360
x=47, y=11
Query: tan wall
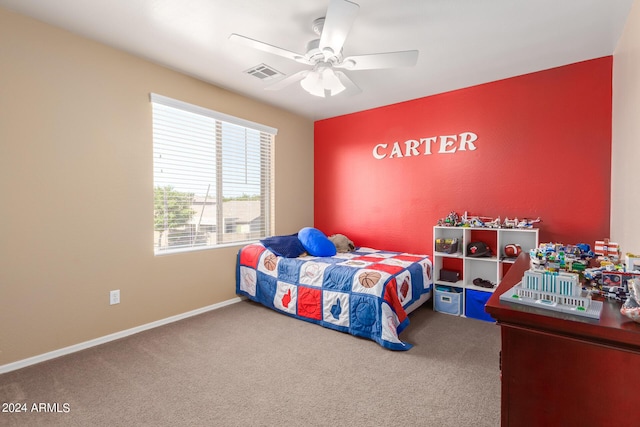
x=77, y=190
x=625, y=176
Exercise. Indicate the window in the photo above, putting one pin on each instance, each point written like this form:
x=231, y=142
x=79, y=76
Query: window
x=212, y=177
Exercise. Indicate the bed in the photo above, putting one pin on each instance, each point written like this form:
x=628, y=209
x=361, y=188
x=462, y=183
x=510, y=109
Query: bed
x=367, y=293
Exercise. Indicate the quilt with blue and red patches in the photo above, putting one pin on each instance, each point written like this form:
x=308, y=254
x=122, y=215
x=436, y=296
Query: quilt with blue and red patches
x=364, y=293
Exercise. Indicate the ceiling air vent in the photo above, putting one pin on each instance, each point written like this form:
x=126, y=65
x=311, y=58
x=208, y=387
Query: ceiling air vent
x=263, y=72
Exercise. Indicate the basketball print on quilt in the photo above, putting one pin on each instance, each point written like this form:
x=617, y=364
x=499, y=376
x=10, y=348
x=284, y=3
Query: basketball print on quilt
x=269, y=263
x=369, y=279
x=369, y=282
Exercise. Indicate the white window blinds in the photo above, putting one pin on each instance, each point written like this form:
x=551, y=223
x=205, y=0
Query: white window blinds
x=213, y=177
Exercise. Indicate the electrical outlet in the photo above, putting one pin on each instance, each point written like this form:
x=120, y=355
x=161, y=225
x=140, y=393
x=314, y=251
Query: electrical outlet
x=114, y=297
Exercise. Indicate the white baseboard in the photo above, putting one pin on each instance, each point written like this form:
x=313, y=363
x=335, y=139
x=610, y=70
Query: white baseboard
x=105, y=339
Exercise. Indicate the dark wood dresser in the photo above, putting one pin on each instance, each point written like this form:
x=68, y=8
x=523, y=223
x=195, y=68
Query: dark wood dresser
x=565, y=370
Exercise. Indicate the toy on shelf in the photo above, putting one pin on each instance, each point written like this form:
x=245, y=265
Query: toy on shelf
x=512, y=250
x=479, y=281
x=527, y=223
x=451, y=220
x=476, y=221
x=447, y=246
x=510, y=223
x=480, y=221
x=494, y=223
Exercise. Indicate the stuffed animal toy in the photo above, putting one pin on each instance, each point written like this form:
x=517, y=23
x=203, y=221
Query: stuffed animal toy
x=342, y=243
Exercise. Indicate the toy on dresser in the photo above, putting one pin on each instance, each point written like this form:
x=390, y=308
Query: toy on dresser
x=631, y=307
x=553, y=281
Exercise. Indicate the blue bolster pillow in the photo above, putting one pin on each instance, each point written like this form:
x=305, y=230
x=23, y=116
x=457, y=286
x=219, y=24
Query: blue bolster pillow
x=316, y=243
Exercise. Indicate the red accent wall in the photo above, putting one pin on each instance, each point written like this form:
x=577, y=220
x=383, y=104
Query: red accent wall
x=543, y=149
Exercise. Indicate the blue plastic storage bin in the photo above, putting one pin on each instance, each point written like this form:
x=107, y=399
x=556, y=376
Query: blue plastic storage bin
x=475, y=302
x=447, y=300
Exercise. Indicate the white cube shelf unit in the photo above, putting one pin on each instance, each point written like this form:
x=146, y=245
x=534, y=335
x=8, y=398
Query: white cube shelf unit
x=487, y=268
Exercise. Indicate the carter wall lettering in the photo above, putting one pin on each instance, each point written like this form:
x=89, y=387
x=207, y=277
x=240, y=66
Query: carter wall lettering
x=444, y=144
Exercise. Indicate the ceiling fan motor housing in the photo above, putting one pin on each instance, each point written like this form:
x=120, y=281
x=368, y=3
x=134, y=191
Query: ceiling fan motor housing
x=315, y=54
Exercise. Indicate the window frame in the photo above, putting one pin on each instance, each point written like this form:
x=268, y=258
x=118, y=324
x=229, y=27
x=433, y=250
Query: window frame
x=265, y=170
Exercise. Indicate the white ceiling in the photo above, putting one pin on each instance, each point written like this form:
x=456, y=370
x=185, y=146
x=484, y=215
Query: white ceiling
x=461, y=42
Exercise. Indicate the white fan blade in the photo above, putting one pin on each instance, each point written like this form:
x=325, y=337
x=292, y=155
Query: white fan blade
x=407, y=58
x=269, y=48
x=337, y=24
x=282, y=83
x=350, y=87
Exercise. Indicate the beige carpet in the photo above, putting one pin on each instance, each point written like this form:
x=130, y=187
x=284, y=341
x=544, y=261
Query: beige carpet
x=246, y=365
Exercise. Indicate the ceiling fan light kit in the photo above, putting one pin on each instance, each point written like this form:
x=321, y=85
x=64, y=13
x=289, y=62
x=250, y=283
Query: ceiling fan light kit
x=325, y=55
x=322, y=81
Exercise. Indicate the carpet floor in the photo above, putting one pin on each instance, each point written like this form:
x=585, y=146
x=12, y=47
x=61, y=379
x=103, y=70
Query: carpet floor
x=246, y=365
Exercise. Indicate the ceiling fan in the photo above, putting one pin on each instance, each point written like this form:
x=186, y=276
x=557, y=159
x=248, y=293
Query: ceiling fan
x=325, y=54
